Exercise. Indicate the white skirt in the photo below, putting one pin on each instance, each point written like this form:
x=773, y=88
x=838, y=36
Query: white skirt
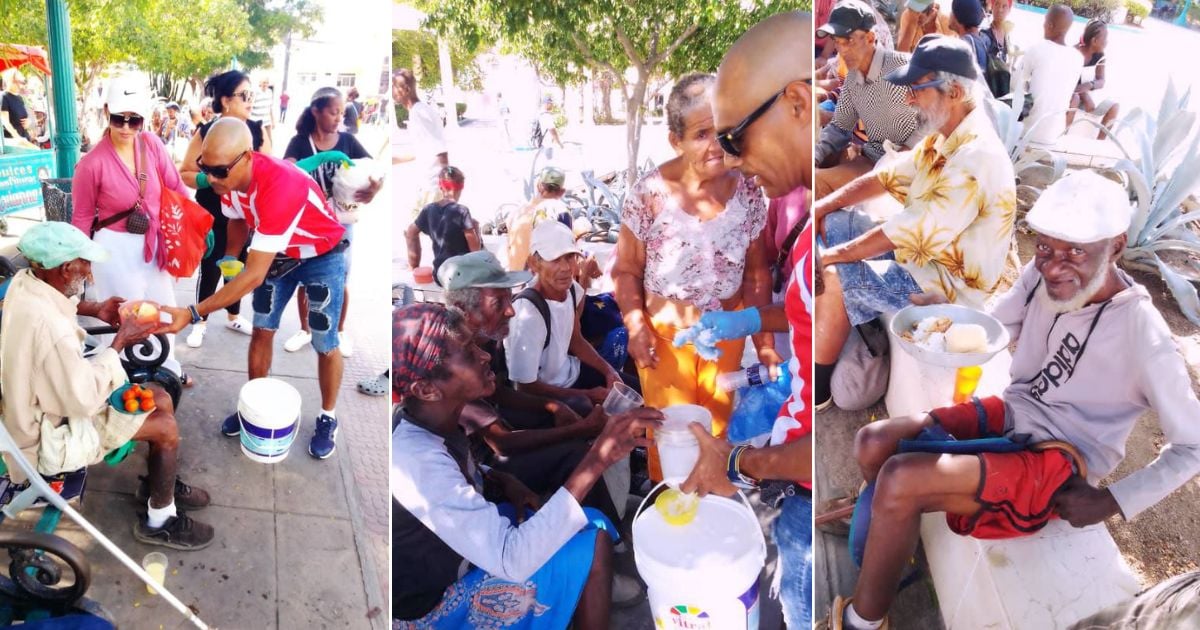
x=128, y=276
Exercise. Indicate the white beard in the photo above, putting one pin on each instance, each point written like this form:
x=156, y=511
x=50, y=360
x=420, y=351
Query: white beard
x=1080, y=300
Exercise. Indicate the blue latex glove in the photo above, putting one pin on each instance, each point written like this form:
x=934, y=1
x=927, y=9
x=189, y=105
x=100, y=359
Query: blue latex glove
x=202, y=181
x=312, y=162
x=719, y=326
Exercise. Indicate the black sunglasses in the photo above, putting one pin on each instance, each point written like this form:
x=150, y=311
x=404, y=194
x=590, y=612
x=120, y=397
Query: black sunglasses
x=245, y=95
x=219, y=172
x=125, y=120
x=731, y=139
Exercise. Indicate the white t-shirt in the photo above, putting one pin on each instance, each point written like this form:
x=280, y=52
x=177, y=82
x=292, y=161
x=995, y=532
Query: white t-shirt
x=527, y=360
x=1052, y=71
x=425, y=125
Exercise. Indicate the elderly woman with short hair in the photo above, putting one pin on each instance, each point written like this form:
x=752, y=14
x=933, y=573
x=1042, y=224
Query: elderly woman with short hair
x=691, y=241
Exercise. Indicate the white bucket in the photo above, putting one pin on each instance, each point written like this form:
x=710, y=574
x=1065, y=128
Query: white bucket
x=269, y=413
x=677, y=447
x=703, y=575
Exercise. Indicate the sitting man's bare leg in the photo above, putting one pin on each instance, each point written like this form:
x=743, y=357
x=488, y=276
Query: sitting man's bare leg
x=164, y=525
x=907, y=485
x=595, y=601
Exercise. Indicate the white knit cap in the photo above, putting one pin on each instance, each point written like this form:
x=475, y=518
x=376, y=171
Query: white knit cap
x=1082, y=207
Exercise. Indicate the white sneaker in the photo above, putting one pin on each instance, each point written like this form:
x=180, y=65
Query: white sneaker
x=299, y=340
x=625, y=591
x=239, y=324
x=196, y=337
x=345, y=345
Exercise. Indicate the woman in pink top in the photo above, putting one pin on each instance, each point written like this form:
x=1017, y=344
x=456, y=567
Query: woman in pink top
x=691, y=241
x=106, y=185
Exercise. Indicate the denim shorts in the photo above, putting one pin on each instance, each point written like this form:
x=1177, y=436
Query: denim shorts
x=324, y=282
x=872, y=287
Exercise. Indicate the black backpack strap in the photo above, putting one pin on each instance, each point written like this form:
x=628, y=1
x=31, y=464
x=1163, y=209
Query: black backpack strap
x=542, y=307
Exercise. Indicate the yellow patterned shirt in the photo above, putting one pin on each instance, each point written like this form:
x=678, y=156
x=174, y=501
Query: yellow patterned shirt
x=959, y=197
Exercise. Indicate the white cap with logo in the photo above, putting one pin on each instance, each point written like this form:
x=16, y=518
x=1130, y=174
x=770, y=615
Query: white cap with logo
x=128, y=93
x=552, y=240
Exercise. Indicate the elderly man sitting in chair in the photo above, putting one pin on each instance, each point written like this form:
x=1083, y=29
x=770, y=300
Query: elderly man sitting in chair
x=56, y=401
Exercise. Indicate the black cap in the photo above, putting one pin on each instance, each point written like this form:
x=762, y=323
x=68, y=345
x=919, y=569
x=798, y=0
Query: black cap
x=846, y=18
x=969, y=13
x=936, y=53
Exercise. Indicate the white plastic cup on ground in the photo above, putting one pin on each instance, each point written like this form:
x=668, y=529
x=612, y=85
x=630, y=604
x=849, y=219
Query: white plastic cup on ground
x=155, y=563
x=678, y=448
x=621, y=398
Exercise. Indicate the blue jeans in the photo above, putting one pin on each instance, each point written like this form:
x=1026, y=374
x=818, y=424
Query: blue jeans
x=872, y=287
x=324, y=282
x=793, y=538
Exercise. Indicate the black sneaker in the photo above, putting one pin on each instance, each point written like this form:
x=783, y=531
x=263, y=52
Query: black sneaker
x=232, y=425
x=180, y=532
x=186, y=496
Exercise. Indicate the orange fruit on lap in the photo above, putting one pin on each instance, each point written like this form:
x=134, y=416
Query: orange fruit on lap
x=146, y=394
x=131, y=405
x=128, y=395
x=148, y=404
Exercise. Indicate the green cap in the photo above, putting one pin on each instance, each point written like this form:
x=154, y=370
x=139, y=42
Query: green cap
x=552, y=176
x=53, y=243
x=479, y=270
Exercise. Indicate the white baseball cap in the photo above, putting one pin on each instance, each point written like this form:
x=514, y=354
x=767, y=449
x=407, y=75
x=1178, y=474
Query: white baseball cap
x=128, y=93
x=1082, y=207
x=552, y=240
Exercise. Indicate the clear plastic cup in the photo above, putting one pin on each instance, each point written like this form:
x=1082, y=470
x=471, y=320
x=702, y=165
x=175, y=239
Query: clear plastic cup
x=231, y=268
x=678, y=449
x=155, y=563
x=622, y=398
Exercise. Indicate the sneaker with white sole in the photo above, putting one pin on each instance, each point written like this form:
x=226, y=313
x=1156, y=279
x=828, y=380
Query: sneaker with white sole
x=345, y=345
x=297, y=341
x=196, y=337
x=323, y=440
x=239, y=324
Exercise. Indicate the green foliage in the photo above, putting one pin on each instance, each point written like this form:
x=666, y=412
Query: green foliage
x=1087, y=8
x=418, y=51
x=1136, y=9
x=176, y=42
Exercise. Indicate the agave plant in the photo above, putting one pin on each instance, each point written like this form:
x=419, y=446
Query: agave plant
x=1164, y=174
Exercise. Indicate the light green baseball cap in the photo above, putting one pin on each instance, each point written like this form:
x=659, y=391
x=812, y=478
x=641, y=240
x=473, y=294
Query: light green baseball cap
x=53, y=243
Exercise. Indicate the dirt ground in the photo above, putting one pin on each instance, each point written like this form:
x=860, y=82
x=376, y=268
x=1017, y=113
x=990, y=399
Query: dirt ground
x=1164, y=540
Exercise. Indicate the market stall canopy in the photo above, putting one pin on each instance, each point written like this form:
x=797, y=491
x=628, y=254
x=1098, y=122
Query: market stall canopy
x=16, y=55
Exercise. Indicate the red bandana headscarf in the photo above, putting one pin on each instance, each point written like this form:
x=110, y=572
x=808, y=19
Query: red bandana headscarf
x=420, y=339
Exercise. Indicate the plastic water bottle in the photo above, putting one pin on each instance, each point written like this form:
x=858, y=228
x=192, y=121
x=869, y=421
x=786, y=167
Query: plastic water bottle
x=755, y=375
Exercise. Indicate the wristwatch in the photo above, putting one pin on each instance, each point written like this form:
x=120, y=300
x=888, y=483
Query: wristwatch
x=196, y=318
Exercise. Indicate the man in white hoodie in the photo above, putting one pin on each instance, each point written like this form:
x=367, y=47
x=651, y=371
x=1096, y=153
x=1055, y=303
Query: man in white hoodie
x=1092, y=355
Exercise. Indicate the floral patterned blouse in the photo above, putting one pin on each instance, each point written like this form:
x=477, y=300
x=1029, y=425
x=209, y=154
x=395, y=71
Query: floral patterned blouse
x=960, y=203
x=689, y=259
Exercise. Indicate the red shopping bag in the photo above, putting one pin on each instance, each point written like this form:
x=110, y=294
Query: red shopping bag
x=185, y=226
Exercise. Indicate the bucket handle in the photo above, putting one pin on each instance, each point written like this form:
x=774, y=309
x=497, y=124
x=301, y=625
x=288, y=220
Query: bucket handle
x=654, y=492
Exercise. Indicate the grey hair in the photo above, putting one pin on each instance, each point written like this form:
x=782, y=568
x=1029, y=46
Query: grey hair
x=969, y=86
x=466, y=300
x=685, y=97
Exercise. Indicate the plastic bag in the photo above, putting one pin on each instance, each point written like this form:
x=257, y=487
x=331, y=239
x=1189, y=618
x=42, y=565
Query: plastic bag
x=757, y=408
x=348, y=181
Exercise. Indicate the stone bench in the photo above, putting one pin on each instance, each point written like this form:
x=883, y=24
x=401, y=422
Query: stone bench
x=1048, y=580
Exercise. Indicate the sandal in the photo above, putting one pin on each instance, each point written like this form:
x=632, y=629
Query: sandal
x=186, y=380
x=837, y=613
x=379, y=385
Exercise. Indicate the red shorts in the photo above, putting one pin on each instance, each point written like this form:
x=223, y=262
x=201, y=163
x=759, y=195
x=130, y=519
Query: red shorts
x=1015, y=489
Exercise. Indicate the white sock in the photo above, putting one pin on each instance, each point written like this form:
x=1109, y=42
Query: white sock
x=328, y=412
x=157, y=517
x=854, y=621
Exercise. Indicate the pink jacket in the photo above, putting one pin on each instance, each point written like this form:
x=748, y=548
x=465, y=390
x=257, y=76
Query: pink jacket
x=103, y=185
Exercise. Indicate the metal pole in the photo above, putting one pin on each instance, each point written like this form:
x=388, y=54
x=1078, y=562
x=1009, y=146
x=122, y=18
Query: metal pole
x=62, y=60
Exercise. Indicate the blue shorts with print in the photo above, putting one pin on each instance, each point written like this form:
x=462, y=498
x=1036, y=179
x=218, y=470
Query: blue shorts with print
x=324, y=282
x=871, y=287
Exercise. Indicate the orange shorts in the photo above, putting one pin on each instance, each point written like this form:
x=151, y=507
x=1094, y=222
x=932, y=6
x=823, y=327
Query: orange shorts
x=1015, y=489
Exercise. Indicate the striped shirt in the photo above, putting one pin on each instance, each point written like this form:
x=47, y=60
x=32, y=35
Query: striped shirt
x=286, y=210
x=261, y=109
x=881, y=106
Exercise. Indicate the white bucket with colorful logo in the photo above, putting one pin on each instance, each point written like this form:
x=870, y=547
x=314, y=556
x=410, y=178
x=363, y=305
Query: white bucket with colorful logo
x=703, y=575
x=269, y=413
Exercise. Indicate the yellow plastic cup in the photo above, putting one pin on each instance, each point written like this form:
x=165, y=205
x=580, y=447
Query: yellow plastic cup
x=231, y=268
